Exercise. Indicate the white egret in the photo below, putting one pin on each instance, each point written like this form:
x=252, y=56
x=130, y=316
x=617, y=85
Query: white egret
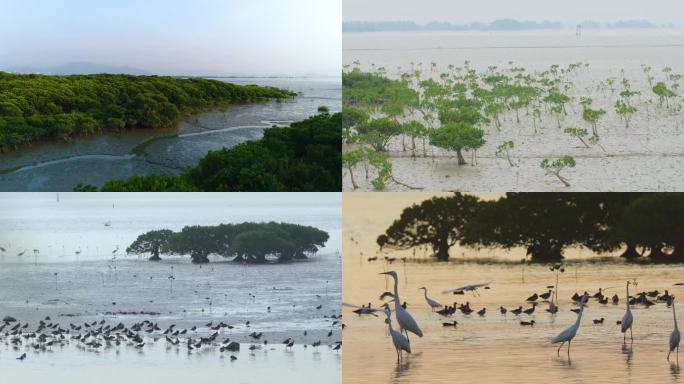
x=569, y=333
x=400, y=342
x=627, y=320
x=405, y=320
x=432, y=303
x=469, y=287
x=674, y=336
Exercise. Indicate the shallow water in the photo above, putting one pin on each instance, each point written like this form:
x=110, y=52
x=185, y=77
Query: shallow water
x=59, y=166
x=81, y=274
x=643, y=157
x=496, y=348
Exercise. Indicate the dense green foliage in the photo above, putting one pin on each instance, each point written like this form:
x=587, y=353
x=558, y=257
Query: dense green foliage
x=307, y=156
x=150, y=242
x=245, y=242
x=545, y=224
x=34, y=107
x=437, y=222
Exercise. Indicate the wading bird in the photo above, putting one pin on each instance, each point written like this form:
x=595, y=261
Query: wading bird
x=471, y=287
x=569, y=333
x=405, y=320
x=400, y=342
x=432, y=303
x=627, y=320
x=674, y=336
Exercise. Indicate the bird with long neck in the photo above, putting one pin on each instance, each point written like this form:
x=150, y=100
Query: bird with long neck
x=674, y=336
x=432, y=303
x=627, y=320
x=406, y=322
x=569, y=333
x=400, y=342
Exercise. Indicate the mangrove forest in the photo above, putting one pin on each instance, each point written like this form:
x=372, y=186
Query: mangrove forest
x=646, y=227
x=247, y=242
x=35, y=107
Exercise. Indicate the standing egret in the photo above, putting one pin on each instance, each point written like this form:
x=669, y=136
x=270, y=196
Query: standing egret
x=627, y=320
x=674, y=336
x=405, y=320
x=433, y=304
x=400, y=342
x=569, y=333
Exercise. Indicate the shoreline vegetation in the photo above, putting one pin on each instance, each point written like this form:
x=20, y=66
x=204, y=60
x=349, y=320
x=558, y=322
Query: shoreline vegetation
x=38, y=107
x=252, y=243
x=646, y=227
x=496, y=25
x=421, y=110
x=306, y=156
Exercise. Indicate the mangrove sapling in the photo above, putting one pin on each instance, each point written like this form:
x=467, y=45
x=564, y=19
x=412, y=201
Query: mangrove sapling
x=350, y=160
x=457, y=136
x=503, y=151
x=592, y=116
x=555, y=167
x=625, y=111
x=377, y=133
x=664, y=93
x=579, y=133
x=414, y=129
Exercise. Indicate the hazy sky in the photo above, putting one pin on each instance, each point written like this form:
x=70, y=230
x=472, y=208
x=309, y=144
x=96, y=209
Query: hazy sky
x=196, y=37
x=569, y=11
x=77, y=220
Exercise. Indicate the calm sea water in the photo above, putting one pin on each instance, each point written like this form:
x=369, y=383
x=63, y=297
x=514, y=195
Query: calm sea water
x=496, y=348
x=59, y=166
x=81, y=274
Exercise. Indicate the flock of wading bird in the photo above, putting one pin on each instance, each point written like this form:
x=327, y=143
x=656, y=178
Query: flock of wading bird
x=97, y=335
x=407, y=323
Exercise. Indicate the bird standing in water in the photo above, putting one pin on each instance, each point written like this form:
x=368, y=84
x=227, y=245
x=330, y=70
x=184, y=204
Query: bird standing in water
x=404, y=318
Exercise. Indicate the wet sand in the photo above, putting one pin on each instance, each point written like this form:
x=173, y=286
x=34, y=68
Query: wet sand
x=645, y=156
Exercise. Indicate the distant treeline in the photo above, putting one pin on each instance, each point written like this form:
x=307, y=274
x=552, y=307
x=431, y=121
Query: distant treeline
x=496, y=25
x=34, y=107
x=307, y=156
x=245, y=242
x=644, y=226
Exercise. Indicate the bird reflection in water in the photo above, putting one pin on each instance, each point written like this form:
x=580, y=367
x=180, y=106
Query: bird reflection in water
x=628, y=352
x=674, y=370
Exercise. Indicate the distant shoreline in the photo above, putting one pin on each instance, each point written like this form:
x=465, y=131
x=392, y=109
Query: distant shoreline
x=502, y=25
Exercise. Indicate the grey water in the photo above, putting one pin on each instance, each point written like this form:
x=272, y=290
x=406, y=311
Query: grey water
x=60, y=166
x=80, y=272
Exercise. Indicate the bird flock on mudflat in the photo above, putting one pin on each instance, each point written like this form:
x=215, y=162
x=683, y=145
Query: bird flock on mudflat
x=407, y=324
x=96, y=336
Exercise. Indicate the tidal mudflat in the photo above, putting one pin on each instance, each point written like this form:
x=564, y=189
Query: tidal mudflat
x=621, y=149
x=78, y=308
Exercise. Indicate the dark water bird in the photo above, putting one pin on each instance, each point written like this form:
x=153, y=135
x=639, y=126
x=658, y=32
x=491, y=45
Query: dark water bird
x=527, y=323
x=452, y=324
x=22, y=357
x=503, y=310
x=386, y=294
x=530, y=311
x=599, y=294
x=233, y=358
x=517, y=311
x=599, y=321
x=482, y=311
x=546, y=295
x=533, y=297
x=615, y=299
x=603, y=300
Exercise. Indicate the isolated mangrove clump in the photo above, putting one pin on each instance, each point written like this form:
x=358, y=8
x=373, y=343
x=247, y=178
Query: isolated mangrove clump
x=245, y=242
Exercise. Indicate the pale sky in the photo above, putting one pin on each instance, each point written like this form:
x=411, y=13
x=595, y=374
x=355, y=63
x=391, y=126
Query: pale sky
x=195, y=37
x=568, y=11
